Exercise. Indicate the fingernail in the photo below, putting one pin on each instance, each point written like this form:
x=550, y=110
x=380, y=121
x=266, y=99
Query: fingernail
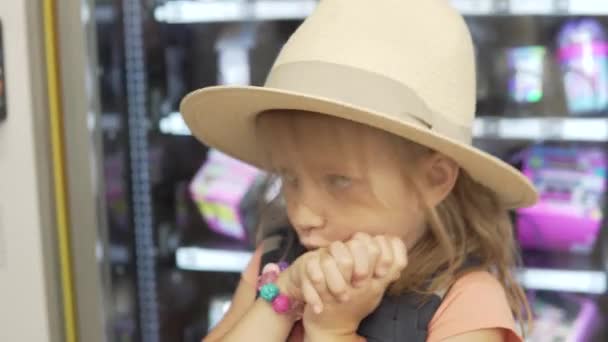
x=344, y=298
x=317, y=308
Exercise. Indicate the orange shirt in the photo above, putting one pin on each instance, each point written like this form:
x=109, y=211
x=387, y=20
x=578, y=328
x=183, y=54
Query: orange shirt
x=476, y=301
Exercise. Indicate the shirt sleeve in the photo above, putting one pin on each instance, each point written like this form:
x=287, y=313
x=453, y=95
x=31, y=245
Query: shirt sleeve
x=476, y=301
x=250, y=274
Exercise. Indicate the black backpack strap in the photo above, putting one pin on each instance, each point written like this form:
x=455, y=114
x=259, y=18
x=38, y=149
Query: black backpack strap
x=400, y=318
x=405, y=317
x=281, y=245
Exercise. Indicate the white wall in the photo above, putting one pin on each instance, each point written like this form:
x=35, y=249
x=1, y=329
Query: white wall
x=24, y=290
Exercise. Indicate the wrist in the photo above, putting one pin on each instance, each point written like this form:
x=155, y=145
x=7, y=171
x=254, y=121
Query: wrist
x=277, y=290
x=286, y=286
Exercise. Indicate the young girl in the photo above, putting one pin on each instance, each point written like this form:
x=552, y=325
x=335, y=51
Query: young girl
x=401, y=226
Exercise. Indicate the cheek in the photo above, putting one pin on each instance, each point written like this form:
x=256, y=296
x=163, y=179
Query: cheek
x=406, y=223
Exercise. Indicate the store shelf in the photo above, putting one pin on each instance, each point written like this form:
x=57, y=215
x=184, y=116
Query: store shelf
x=561, y=129
x=209, y=11
x=119, y=254
x=579, y=281
x=173, y=124
x=105, y=14
x=110, y=122
x=190, y=11
x=212, y=259
x=564, y=272
x=531, y=7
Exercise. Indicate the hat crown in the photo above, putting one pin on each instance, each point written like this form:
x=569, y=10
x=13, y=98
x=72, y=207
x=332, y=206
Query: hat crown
x=424, y=45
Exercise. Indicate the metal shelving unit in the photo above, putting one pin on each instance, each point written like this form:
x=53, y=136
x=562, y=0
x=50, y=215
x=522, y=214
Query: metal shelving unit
x=527, y=7
x=542, y=128
x=212, y=259
x=579, y=281
x=534, y=278
x=193, y=11
x=188, y=11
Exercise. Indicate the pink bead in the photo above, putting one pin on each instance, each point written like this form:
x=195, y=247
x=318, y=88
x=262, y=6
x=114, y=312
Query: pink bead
x=267, y=278
x=271, y=268
x=281, y=304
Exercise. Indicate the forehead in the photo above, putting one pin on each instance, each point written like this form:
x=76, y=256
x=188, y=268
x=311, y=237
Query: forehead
x=322, y=141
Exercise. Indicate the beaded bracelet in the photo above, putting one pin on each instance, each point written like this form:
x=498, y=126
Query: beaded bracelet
x=269, y=291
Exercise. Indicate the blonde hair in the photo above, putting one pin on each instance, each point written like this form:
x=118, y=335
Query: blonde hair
x=470, y=224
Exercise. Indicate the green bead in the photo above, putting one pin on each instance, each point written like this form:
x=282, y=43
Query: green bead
x=269, y=292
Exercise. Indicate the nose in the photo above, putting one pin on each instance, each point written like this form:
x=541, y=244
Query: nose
x=305, y=217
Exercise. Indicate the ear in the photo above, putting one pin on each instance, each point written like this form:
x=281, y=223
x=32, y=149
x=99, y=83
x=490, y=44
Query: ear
x=440, y=175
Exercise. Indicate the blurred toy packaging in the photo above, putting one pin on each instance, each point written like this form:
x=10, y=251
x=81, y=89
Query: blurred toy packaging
x=563, y=317
x=571, y=184
x=226, y=192
x=583, y=56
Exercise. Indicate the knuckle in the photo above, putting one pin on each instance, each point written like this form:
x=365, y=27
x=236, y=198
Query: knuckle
x=327, y=263
x=338, y=289
x=354, y=243
x=310, y=266
x=386, y=260
x=335, y=246
x=374, y=251
x=317, y=281
x=346, y=262
x=313, y=274
x=362, y=273
x=359, y=235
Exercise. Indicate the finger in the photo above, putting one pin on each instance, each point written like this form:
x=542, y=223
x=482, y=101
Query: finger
x=340, y=252
x=361, y=236
x=372, y=248
x=400, y=258
x=311, y=297
x=335, y=281
x=361, y=259
x=316, y=276
x=399, y=253
x=385, y=260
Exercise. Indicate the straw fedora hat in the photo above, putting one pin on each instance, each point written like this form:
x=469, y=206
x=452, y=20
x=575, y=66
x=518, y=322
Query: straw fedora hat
x=403, y=66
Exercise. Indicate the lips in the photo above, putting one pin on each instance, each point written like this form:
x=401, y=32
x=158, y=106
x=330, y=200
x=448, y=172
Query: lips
x=312, y=242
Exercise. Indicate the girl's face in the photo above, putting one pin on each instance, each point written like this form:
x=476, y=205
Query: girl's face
x=340, y=178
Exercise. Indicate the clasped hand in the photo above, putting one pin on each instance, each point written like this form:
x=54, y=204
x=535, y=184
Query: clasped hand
x=343, y=283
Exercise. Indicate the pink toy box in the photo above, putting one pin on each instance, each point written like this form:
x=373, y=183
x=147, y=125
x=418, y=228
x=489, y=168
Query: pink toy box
x=571, y=183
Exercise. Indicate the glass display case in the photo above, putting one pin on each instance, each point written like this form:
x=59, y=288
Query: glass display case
x=181, y=218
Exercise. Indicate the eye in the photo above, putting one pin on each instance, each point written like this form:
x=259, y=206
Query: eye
x=339, y=181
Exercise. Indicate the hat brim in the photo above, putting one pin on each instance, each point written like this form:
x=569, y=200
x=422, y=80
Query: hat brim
x=223, y=117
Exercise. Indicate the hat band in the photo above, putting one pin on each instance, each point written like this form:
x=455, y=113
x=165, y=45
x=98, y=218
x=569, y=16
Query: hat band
x=364, y=89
